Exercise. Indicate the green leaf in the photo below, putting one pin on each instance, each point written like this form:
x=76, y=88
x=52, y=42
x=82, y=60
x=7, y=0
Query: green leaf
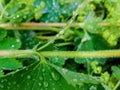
x=28, y=39
x=116, y=72
x=3, y=33
x=94, y=43
x=76, y=78
x=9, y=64
x=51, y=12
x=57, y=61
x=42, y=75
x=38, y=76
x=91, y=23
x=67, y=9
x=12, y=7
x=17, y=11
x=9, y=43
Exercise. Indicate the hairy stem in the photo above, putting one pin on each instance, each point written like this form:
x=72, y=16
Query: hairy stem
x=68, y=54
x=82, y=54
x=45, y=26
x=16, y=53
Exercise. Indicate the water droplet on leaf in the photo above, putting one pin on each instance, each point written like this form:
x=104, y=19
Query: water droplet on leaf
x=45, y=84
x=64, y=71
x=54, y=89
x=74, y=80
x=2, y=81
x=1, y=86
x=39, y=84
x=28, y=77
x=43, y=70
x=41, y=78
x=55, y=75
x=12, y=46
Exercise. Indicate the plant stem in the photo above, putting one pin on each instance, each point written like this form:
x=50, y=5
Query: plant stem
x=32, y=26
x=117, y=85
x=45, y=26
x=68, y=54
x=16, y=53
x=82, y=54
x=44, y=37
x=64, y=44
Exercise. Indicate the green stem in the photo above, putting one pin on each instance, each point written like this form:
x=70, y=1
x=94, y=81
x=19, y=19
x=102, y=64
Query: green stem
x=69, y=23
x=64, y=44
x=38, y=26
x=30, y=26
x=45, y=26
x=17, y=53
x=69, y=54
x=82, y=54
x=117, y=85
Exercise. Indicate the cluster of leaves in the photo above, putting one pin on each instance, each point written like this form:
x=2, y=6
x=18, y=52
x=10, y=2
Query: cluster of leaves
x=50, y=73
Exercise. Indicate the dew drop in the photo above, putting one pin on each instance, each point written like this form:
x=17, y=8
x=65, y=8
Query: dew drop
x=39, y=84
x=41, y=78
x=18, y=85
x=1, y=86
x=14, y=17
x=55, y=75
x=17, y=40
x=45, y=84
x=93, y=88
x=74, y=80
x=54, y=89
x=17, y=16
x=24, y=17
x=26, y=69
x=12, y=46
x=2, y=81
x=8, y=88
x=15, y=25
x=46, y=88
x=43, y=70
x=64, y=71
x=28, y=77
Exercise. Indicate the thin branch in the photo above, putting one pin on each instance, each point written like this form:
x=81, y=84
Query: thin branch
x=45, y=26
x=37, y=26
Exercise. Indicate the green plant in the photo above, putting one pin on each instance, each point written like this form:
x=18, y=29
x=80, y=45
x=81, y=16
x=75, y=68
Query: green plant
x=72, y=48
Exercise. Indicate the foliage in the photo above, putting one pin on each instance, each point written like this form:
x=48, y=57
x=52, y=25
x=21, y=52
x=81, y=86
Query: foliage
x=56, y=73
